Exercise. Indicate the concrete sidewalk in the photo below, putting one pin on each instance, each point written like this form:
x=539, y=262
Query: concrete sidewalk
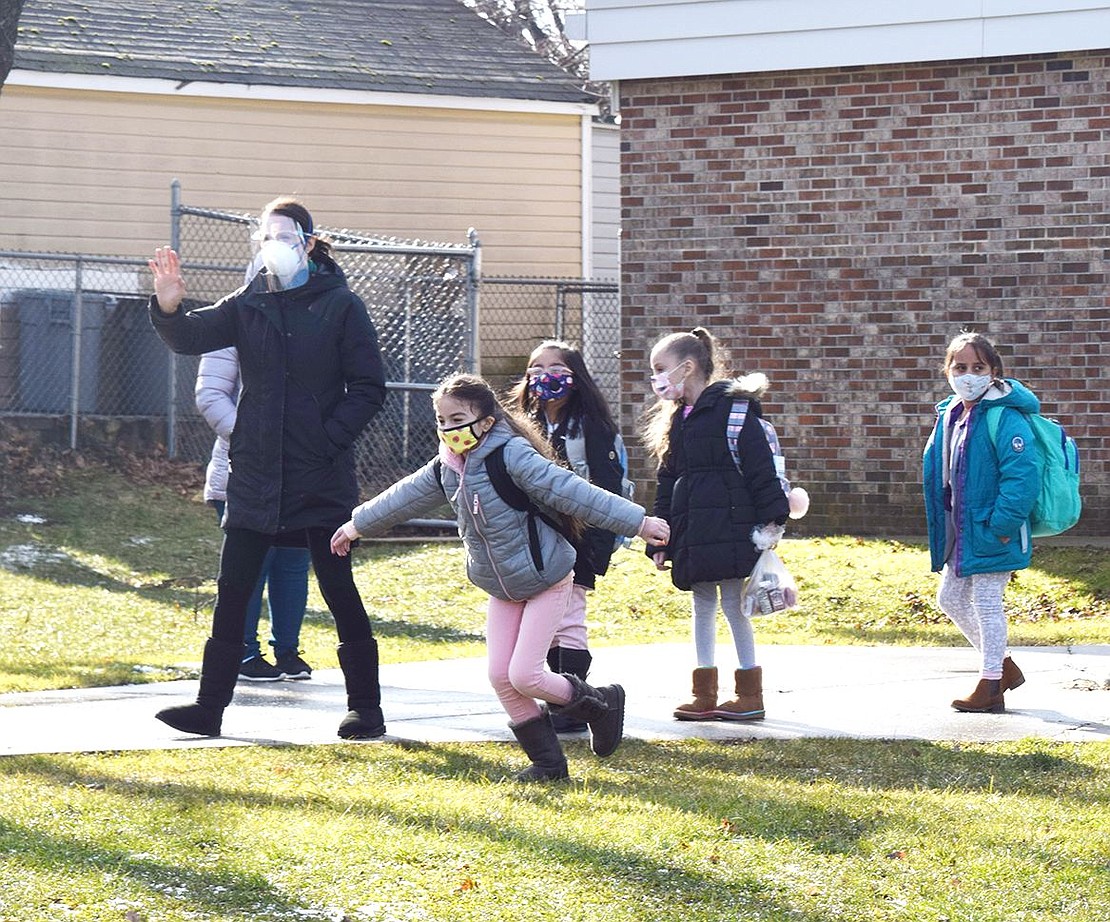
x=860, y=692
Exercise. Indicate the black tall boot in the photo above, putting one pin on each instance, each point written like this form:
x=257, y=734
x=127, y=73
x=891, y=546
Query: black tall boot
x=219, y=671
x=359, y=662
x=540, y=743
x=601, y=708
x=573, y=662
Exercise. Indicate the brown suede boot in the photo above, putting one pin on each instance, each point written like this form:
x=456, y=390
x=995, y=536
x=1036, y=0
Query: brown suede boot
x=705, y=696
x=1011, y=675
x=748, y=703
x=986, y=699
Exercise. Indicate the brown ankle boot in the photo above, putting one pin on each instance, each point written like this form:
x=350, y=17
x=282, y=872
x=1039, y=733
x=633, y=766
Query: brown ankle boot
x=705, y=696
x=748, y=703
x=986, y=699
x=1011, y=675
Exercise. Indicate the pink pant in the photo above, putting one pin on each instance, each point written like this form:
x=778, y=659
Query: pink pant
x=518, y=636
x=571, y=631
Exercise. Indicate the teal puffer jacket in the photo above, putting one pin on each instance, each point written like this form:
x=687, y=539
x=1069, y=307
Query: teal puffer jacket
x=498, y=557
x=993, y=494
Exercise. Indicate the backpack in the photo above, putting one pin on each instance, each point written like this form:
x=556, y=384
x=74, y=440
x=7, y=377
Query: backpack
x=628, y=487
x=736, y=419
x=515, y=497
x=1058, y=505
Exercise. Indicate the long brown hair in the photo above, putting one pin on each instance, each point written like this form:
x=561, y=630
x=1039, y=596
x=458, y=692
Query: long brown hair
x=700, y=346
x=983, y=347
x=583, y=400
x=476, y=393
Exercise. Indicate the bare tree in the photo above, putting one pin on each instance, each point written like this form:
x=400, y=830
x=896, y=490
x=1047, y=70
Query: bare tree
x=9, y=25
x=540, y=24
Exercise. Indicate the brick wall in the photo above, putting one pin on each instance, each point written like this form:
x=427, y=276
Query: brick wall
x=835, y=228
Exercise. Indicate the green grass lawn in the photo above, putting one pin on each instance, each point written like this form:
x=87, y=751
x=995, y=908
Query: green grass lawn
x=115, y=584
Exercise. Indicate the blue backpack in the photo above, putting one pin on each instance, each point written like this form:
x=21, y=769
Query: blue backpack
x=1058, y=505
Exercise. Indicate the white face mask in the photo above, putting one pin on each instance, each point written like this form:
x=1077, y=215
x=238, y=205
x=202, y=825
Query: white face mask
x=970, y=387
x=280, y=259
x=280, y=244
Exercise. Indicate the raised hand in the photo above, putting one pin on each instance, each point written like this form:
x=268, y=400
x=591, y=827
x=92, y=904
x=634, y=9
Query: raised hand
x=169, y=286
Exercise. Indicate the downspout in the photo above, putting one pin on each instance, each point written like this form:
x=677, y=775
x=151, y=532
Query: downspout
x=587, y=197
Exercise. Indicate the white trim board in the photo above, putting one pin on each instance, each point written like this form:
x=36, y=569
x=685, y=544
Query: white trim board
x=260, y=92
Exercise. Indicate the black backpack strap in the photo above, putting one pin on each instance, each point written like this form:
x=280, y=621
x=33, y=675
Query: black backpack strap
x=514, y=496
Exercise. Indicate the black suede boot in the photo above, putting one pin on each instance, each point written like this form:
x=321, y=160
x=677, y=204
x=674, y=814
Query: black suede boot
x=540, y=743
x=601, y=708
x=573, y=662
x=219, y=672
x=359, y=662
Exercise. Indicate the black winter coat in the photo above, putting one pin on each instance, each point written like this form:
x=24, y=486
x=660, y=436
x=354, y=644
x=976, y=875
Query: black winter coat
x=595, y=547
x=710, y=505
x=311, y=378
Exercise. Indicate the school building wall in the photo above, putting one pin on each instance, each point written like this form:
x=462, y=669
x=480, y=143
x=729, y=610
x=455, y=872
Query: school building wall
x=836, y=227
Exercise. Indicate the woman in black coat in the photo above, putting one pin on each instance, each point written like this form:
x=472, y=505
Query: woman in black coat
x=311, y=380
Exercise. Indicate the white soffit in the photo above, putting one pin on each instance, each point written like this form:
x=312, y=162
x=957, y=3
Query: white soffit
x=667, y=38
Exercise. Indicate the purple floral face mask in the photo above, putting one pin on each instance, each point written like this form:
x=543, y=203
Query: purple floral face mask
x=551, y=385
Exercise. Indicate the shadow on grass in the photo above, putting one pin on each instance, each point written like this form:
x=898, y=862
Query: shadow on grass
x=822, y=795
x=228, y=894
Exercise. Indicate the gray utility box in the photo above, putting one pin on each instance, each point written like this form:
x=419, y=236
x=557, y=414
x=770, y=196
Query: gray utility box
x=47, y=321
x=135, y=362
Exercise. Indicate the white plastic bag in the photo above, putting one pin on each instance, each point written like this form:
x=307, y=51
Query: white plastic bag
x=769, y=588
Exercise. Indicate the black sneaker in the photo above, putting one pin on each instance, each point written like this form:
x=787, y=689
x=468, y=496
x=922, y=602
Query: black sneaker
x=293, y=667
x=260, y=669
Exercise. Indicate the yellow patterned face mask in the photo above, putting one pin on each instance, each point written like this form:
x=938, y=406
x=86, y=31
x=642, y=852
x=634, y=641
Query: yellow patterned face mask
x=460, y=439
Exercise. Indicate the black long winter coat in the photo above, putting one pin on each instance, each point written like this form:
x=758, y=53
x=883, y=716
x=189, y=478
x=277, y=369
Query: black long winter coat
x=311, y=380
x=595, y=547
x=711, y=506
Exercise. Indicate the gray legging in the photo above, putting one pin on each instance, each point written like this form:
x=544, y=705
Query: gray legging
x=974, y=603
x=705, y=622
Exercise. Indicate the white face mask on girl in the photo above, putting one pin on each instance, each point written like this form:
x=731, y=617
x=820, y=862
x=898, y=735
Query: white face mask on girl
x=970, y=387
x=663, y=386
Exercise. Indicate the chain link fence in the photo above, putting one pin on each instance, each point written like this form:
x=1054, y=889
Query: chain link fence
x=76, y=342
x=519, y=313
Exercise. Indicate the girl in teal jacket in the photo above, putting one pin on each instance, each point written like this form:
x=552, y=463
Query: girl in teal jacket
x=978, y=496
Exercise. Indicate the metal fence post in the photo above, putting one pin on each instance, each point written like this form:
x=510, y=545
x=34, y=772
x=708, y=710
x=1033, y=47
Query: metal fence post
x=75, y=365
x=473, y=282
x=171, y=385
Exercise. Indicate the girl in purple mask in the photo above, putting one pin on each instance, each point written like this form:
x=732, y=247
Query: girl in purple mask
x=558, y=393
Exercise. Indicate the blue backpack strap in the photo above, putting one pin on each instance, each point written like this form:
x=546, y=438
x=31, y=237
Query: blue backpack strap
x=994, y=420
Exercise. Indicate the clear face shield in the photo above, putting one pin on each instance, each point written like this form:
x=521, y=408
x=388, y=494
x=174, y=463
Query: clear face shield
x=279, y=247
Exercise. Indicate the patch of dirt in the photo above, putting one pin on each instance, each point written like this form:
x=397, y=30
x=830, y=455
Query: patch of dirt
x=30, y=464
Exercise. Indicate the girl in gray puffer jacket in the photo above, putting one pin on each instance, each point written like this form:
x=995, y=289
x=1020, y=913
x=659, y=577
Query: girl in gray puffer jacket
x=529, y=592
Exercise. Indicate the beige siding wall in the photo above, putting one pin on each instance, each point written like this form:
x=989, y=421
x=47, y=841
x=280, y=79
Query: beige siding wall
x=91, y=172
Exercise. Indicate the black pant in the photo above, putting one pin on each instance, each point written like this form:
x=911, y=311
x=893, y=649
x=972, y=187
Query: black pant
x=241, y=561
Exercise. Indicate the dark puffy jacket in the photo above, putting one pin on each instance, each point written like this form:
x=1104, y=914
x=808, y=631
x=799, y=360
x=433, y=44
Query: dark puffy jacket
x=589, y=449
x=311, y=380
x=711, y=506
